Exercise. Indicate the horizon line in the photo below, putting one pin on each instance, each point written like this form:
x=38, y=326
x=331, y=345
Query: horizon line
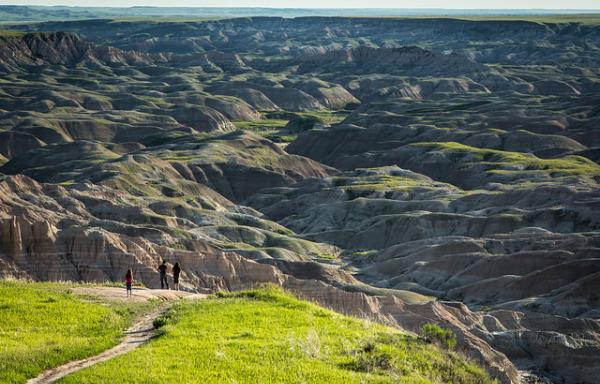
x=312, y=8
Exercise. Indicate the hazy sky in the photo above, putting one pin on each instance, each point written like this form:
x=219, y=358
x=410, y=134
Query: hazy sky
x=547, y=4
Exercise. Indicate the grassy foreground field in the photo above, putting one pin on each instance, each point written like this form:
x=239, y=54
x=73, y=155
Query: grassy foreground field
x=267, y=336
x=43, y=325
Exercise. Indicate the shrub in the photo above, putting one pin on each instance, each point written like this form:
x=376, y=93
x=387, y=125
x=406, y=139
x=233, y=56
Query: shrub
x=311, y=346
x=371, y=358
x=159, y=322
x=433, y=333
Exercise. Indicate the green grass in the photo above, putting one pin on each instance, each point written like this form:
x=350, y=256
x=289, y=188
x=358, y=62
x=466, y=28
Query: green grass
x=273, y=128
x=179, y=158
x=379, y=182
x=67, y=183
x=9, y=33
x=434, y=333
x=43, y=325
x=510, y=162
x=384, y=182
x=267, y=336
x=269, y=128
x=325, y=116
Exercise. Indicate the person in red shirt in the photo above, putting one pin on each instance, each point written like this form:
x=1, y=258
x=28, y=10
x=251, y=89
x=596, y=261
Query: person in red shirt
x=129, y=282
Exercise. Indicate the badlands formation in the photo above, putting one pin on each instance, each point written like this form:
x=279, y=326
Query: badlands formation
x=405, y=170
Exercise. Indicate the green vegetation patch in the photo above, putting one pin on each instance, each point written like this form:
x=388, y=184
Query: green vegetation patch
x=378, y=182
x=11, y=33
x=269, y=128
x=43, y=325
x=267, y=336
x=326, y=116
x=382, y=181
x=510, y=162
x=434, y=333
x=275, y=126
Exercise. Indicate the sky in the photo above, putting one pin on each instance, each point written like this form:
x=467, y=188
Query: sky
x=448, y=4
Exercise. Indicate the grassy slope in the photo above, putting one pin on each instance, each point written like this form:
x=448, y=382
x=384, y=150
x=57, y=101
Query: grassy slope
x=42, y=325
x=265, y=336
x=269, y=128
x=502, y=161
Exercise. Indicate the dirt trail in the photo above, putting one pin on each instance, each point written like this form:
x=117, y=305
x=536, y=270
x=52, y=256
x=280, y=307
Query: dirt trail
x=139, y=333
x=139, y=294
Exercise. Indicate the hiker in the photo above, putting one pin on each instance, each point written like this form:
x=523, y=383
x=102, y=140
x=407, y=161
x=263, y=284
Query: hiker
x=163, y=275
x=129, y=282
x=176, y=272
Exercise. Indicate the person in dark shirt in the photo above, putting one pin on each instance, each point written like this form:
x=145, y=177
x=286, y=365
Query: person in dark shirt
x=176, y=272
x=129, y=282
x=163, y=275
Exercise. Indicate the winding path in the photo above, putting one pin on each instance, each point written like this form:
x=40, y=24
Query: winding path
x=139, y=333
